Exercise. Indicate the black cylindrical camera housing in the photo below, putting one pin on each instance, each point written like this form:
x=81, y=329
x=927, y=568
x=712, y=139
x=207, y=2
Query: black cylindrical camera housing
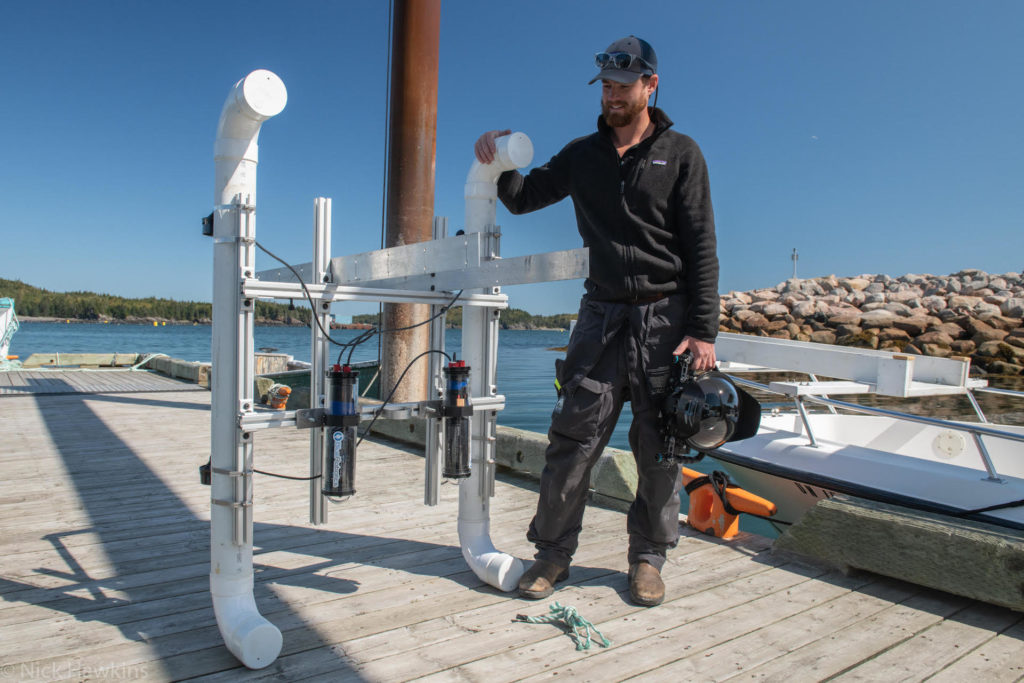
x=339, y=474
x=457, y=410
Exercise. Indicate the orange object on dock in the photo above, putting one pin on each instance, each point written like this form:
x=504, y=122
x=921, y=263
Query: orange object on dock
x=278, y=395
x=715, y=503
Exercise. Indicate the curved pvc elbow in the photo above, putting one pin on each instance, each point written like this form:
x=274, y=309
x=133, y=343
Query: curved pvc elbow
x=492, y=566
x=513, y=151
x=248, y=635
x=253, y=100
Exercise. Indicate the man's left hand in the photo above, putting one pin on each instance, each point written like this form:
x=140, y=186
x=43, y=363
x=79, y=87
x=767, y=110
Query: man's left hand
x=703, y=353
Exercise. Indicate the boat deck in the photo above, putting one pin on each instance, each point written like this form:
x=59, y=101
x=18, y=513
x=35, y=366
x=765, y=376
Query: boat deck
x=106, y=556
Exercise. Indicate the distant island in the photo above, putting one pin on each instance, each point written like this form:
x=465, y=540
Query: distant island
x=41, y=304
x=34, y=302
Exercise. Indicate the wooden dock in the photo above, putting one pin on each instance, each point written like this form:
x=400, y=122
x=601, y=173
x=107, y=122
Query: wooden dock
x=106, y=558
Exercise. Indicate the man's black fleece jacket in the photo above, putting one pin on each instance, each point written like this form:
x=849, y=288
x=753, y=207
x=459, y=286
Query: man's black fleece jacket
x=646, y=217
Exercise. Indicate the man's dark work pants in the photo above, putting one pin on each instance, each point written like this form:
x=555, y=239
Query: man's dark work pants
x=617, y=352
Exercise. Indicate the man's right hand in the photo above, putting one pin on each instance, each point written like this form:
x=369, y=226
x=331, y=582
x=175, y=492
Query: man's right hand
x=485, y=148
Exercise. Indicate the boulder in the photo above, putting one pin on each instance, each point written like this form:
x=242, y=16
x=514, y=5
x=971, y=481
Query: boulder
x=823, y=337
x=850, y=317
x=984, y=311
x=912, y=326
x=879, y=318
x=936, y=350
x=990, y=334
x=963, y=303
x=847, y=329
x=855, y=298
x=933, y=303
x=1000, y=367
x=952, y=329
x=1013, y=308
x=899, y=308
x=963, y=347
x=904, y=295
x=999, y=350
x=862, y=340
x=763, y=295
x=804, y=309
x=874, y=298
x=754, y=323
x=854, y=284
x=768, y=309
x=892, y=334
x=938, y=338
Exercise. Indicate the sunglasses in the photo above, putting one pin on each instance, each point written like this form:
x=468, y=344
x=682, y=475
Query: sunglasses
x=619, y=60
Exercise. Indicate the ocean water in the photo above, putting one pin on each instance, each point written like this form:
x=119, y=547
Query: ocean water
x=526, y=363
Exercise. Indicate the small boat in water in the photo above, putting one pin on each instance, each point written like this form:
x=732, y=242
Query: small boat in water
x=973, y=470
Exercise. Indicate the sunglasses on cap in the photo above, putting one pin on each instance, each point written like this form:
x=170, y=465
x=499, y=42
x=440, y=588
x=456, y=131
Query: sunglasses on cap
x=619, y=60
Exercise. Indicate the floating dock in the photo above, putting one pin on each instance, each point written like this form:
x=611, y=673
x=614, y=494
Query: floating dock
x=105, y=572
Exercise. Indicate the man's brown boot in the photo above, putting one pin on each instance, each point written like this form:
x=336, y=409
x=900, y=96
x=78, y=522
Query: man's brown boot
x=539, y=580
x=645, y=585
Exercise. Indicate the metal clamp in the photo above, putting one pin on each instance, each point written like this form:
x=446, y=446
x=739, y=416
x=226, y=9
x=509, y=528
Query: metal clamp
x=231, y=473
x=233, y=504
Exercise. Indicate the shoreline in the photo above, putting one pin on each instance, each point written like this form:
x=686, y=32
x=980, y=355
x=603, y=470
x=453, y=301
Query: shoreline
x=263, y=322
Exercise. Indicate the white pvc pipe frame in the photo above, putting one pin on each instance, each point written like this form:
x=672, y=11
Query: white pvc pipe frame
x=479, y=350
x=248, y=635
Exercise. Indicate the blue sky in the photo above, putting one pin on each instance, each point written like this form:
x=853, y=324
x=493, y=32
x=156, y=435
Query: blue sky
x=871, y=136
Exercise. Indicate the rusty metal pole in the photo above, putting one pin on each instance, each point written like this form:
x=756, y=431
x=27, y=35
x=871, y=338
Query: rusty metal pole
x=410, y=189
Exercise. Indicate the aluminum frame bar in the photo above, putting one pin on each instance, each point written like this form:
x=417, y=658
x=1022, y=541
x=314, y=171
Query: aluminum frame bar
x=330, y=292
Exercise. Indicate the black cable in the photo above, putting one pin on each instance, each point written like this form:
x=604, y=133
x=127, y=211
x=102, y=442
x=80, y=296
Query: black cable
x=309, y=297
x=395, y=388
x=365, y=336
x=285, y=476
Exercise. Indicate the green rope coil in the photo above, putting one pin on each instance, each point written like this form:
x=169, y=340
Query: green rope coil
x=579, y=628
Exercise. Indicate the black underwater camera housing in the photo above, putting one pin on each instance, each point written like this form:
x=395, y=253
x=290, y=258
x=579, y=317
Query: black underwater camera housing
x=703, y=412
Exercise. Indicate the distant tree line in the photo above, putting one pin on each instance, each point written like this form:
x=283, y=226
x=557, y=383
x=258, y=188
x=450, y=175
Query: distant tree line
x=32, y=301
x=512, y=318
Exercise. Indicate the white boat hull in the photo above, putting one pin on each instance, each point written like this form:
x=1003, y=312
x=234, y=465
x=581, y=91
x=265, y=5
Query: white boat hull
x=878, y=458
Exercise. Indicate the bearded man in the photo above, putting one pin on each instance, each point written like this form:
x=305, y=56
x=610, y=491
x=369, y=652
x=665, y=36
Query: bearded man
x=643, y=207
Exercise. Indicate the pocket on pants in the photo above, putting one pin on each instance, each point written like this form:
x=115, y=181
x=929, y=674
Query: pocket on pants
x=579, y=409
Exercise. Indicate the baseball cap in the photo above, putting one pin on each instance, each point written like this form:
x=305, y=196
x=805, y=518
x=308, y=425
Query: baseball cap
x=626, y=60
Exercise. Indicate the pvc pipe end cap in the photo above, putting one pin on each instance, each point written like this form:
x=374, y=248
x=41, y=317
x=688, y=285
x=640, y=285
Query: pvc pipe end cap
x=264, y=92
x=516, y=148
x=509, y=574
x=260, y=645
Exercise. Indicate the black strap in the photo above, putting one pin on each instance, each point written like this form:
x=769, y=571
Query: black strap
x=719, y=482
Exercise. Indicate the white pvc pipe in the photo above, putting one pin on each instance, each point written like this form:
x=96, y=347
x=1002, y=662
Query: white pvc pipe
x=492, y=566
x=250, y=637
x=513, y=151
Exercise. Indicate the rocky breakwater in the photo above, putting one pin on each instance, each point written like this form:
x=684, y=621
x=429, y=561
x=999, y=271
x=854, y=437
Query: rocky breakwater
x=970, y=313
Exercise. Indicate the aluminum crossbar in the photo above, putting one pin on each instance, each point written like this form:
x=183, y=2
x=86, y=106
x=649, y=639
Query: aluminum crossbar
x=287, y=290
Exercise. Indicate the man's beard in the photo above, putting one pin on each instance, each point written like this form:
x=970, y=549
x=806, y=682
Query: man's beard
x=624, y=116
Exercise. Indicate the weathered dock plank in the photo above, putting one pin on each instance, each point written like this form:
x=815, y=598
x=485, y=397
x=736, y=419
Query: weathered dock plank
x=104, y=535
